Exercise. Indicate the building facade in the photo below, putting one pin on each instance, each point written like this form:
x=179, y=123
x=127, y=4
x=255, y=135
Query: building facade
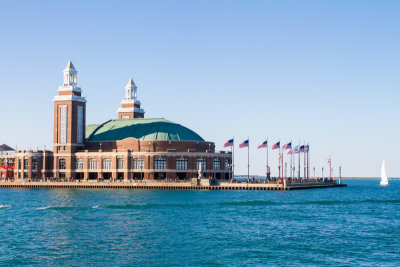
x=129, y=147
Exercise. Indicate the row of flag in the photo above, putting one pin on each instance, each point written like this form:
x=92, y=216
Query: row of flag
x=296, y=150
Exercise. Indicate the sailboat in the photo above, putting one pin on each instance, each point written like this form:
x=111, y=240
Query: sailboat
x=384, y=179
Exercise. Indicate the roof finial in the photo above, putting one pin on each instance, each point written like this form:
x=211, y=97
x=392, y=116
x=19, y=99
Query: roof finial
x=70, y=65
x=131, y=82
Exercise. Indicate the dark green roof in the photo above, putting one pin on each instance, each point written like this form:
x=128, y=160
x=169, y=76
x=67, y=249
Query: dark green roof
x=142, y=129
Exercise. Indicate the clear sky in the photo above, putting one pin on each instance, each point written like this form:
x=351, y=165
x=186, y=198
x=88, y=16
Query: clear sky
x=324, y=72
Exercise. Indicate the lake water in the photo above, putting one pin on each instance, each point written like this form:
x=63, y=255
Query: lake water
x=352, y=226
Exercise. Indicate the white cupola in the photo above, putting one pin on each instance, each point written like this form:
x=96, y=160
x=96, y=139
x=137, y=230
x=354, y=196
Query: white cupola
x=70, y=75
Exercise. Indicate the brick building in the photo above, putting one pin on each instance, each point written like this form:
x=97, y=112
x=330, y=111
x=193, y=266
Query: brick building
x=129, y=147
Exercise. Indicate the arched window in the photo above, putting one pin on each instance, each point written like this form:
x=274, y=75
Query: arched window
x=160, y=164
x=120, y=164
x=93, y=164
x=61, y=164
x=181, y=164
x=107, y=164
x=203, y=164
x=217, y=164
x=138, y=164
x=79, y=164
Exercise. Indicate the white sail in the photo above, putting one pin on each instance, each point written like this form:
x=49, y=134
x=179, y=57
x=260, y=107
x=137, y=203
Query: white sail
x=384, y=179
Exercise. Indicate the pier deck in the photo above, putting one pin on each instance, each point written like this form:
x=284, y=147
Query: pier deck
x=164, y=185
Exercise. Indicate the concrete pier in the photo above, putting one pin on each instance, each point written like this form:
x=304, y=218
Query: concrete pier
x=165, y=185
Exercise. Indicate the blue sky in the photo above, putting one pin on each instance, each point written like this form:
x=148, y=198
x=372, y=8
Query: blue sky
x=324, y=72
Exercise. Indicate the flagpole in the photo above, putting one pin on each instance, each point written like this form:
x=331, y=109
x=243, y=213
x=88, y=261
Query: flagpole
x=299, y=161
x=291, y=163
x=233, y=158
x=308, y=161
x=279, y=168
x=267, y=160
x=291, y=157
x=304, y=155
x=282, y=164
x=231, y=167
x=248, y=159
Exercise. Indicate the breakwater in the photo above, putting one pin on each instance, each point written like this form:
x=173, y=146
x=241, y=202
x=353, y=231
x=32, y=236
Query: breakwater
x=167, y=185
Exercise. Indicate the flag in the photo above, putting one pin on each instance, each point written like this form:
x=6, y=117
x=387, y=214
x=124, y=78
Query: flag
x=296, y=150
x=301, y=149
x=228, y=143
x=290, y=152
x=287, y=146
x=275, y=146
x=244, y=144
x=264, y=144
x=307, y=148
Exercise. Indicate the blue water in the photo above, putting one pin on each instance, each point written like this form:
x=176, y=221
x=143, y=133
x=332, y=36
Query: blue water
x=352, y=226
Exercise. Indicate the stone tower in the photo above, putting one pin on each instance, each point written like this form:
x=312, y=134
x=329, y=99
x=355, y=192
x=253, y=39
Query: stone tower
x=130, y=105
x=69, y=122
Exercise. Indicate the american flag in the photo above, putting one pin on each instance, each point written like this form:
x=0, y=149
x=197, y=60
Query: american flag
x=244, y=144
x=228, y=143
x=290, y=152
x=276, y=146
x=264, y=144
x=287, y=146
x=296, y=150
x=302, y=148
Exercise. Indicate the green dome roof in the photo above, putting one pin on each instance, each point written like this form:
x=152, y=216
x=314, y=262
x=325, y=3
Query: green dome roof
x=142, y=129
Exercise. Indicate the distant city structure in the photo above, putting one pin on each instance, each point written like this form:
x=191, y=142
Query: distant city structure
x=127, y=148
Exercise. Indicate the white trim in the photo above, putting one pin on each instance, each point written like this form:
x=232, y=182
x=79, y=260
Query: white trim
x=69, y=98
x=69, y=88
x=134, y=109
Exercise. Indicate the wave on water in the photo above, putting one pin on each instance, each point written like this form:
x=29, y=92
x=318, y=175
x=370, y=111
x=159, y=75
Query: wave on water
x=2, y=207
x=55, y=208
x=382, y=201
x=146, y=206
x=125, y=206
x=317, y=202
x=249, y=203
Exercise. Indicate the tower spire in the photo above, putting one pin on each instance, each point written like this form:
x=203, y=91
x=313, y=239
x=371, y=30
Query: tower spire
x=130, y=105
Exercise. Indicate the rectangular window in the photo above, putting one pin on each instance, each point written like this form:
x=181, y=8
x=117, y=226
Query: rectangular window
x=138, y=164
x=217, y=164
x=19, y=164
x=34, y=163
x=160, y=164
x=80, y=124
x=92, y=164
x=62, y=124
x=181, y=164
x=107, y=164
x=26, y=164
x=226, y=164
x=203, y=164
x=120, y=164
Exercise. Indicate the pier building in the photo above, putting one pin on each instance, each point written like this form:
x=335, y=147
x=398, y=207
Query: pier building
x=128, y=147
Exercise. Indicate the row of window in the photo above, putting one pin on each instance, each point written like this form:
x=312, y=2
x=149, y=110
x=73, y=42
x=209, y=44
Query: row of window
x=26, y=163
x=138, y=164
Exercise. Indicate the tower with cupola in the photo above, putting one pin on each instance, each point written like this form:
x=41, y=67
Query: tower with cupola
x=130, y=108
x=69, y=122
